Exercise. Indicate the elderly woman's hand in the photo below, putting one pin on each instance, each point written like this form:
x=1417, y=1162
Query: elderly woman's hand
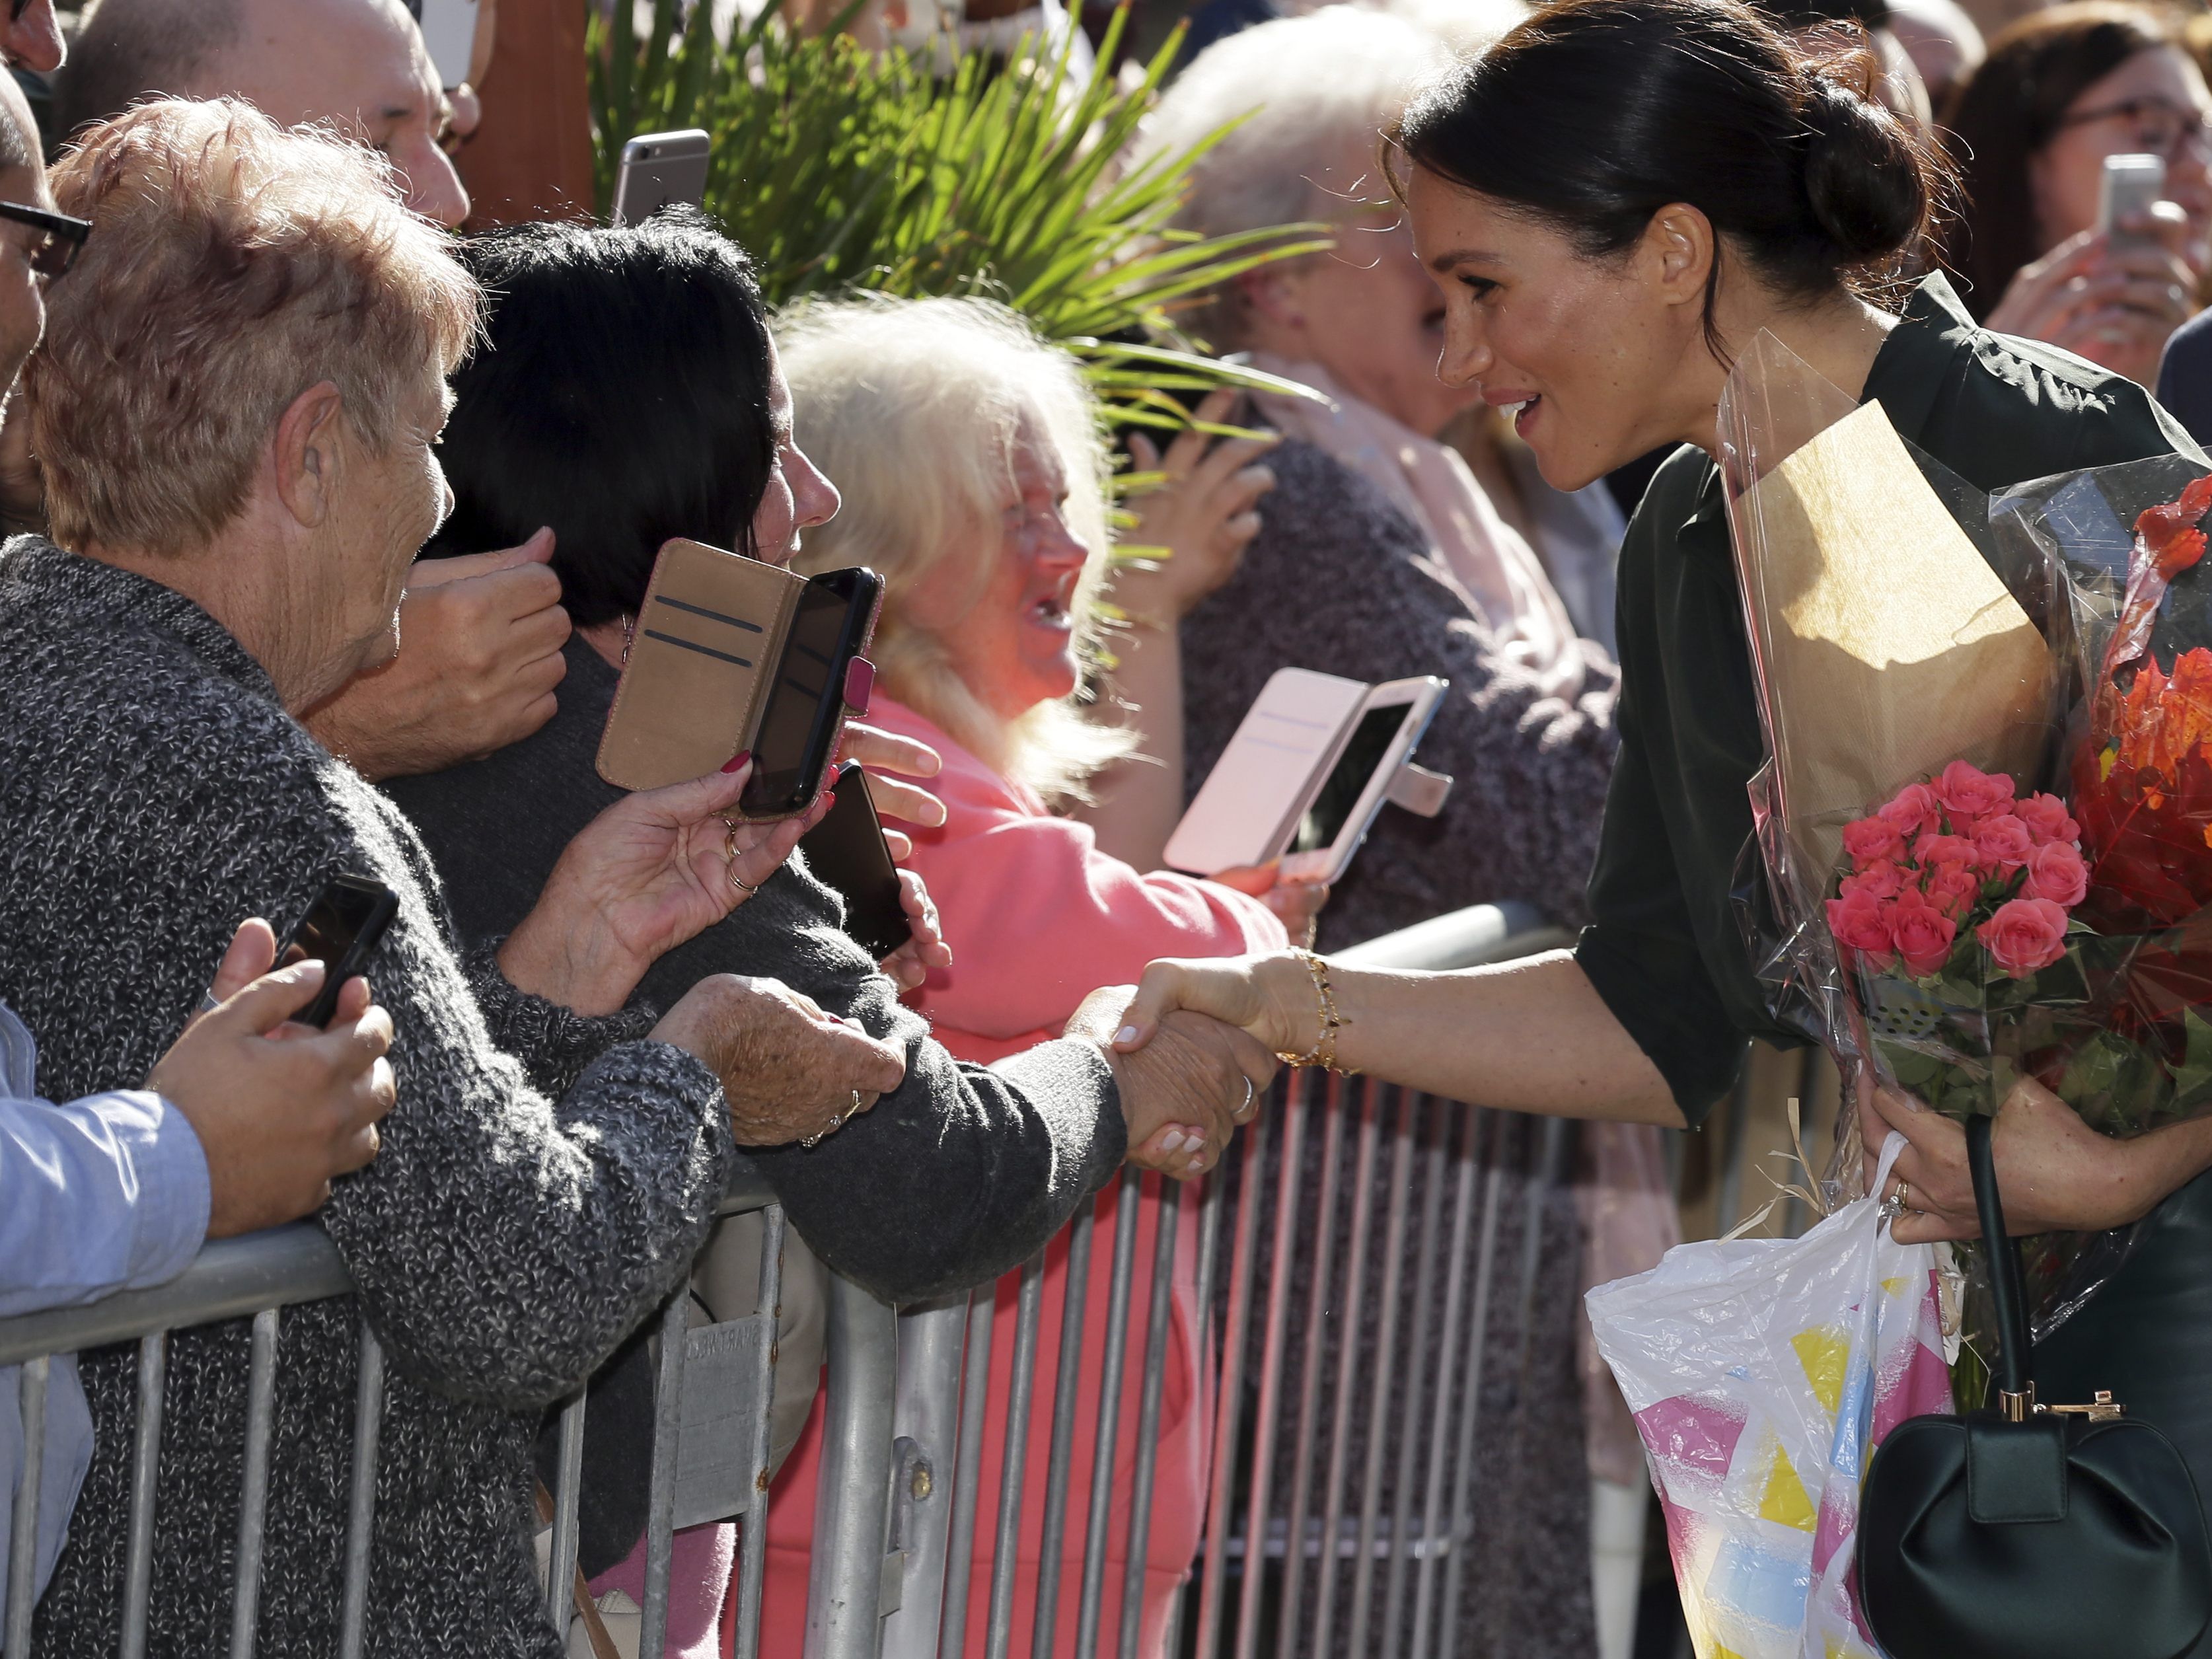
x=1203, y=514
x=882, y=754
x=2113, y=300
x=1190, y=1088
x=654, y=870
x=2055, y=1174
x=909, y=966
x=789, y=1071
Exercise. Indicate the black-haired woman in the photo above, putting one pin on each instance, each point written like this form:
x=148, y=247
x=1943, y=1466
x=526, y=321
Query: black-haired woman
x=1615, y=199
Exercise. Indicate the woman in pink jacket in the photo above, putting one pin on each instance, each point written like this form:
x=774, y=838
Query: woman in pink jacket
x=967, y=456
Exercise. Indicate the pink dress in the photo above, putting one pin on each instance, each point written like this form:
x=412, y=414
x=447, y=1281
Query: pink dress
x=1038, y=918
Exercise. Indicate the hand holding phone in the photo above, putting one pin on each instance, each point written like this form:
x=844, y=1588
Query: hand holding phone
x=341, y=930
x=847, y=853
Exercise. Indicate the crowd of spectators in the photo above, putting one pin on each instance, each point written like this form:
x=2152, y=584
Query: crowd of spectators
x=341, y=523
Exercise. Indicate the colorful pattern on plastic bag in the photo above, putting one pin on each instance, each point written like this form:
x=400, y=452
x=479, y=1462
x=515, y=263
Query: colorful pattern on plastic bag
x=1762, y=1374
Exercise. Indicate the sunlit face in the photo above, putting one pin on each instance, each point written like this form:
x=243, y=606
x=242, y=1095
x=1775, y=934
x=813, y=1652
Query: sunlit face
x=1589, y=355
x=389, y=505
x=1013, y=644
x=797, y=496
x=2155, y=103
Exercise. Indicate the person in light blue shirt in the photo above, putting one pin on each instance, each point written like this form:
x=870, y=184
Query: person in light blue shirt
x=241, y=1124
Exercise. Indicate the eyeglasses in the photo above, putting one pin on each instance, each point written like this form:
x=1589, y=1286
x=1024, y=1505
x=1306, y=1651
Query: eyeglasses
x=54, y=250
x=2162, y=128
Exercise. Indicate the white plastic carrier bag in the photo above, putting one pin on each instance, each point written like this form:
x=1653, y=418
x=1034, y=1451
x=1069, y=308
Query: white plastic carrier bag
x=1762, y=1374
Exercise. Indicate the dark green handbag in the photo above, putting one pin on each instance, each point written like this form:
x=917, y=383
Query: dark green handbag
x=2031, y=1531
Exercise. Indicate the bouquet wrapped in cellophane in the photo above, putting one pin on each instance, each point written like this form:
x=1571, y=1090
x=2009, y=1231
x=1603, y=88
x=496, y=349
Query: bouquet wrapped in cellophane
x=1986, y=822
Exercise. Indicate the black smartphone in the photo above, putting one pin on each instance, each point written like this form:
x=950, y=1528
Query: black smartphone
x=846, y=851
x=798, y=727
x=341, y=930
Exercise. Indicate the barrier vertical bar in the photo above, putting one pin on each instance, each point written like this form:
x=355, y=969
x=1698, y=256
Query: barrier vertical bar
x=752, y=1538
x=1471, y=1373
x=1233, y=1385
x=925, y=1424
x=844, y=1591
x=145, y=1473
x=1006, y=1545
x=1330, y=1128
x=1378, y=1410
x=1068, y=1388
x=253, y=1501
x=660, y=1499
x=568, y=1492
x=1436, y=1537
x=1166, y=1236
x=361, y=1508
x=1271, y=1369
x=1210, y=1201
x=967, y=1475
x=1401, y=1520
x=1355, y=1310
x=23, y=1537
x=1116, y=1356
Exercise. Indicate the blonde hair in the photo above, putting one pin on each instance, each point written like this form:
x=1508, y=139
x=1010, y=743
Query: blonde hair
x=915, y=408
x=233, y=264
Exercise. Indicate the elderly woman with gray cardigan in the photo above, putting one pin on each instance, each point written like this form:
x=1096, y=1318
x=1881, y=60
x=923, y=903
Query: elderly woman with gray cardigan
x=235, y=407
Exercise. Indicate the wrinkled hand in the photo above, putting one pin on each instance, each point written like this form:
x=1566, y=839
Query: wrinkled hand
x=884, y=753
x=1246, y=992
x=1296, y=904
x=280, y=1109
x=1183, y=1096
x=480, y=642
x=2115, y=303
x=1204, y=513
x=654, y=870
x=789, y=1071
x=909, y=966
x=2055, y=1174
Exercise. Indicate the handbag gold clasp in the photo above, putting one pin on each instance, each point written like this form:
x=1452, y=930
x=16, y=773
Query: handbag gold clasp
x=2017, y=1407
x=2103, y=1409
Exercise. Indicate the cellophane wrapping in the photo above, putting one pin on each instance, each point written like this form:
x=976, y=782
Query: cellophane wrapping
x=1985, y=826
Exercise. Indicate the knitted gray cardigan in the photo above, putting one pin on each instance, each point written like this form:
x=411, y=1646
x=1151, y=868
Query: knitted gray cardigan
x=545, y=1179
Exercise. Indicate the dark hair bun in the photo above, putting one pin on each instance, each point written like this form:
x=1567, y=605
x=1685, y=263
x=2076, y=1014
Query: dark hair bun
x=1863, y=172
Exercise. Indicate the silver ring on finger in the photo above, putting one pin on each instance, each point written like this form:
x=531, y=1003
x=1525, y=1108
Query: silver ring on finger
x=1244, y=1108
x=828, y=1128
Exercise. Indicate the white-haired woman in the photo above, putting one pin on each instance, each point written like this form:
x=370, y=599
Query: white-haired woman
x=968, y=457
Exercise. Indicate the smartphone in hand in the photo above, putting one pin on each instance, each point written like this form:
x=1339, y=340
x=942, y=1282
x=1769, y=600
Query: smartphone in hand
x=847, y=853
x=341, y=930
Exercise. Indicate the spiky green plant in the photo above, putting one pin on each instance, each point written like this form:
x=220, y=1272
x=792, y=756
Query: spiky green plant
x=839, y=168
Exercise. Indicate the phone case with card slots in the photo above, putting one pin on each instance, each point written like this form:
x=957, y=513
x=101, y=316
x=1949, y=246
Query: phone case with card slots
x=709, y=646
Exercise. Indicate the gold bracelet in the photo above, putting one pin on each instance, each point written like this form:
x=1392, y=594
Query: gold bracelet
x=1323, y=1053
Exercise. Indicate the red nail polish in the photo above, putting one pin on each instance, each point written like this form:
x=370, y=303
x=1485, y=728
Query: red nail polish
x=739, y=759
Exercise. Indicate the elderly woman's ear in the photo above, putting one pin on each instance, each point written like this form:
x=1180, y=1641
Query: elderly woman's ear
x=304, y=452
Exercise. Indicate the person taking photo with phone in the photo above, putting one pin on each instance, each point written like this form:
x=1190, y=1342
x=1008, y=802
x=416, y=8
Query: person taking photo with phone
x=1613, y=201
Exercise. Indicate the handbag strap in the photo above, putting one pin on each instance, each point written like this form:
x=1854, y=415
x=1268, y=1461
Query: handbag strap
x=2015, y=1378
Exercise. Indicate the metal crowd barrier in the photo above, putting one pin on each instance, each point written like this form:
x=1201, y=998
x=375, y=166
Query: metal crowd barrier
x=1349, y=1372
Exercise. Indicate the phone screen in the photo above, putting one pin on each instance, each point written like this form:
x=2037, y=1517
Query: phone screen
x=846, y=851
x=1347, y=781
x=791, y=749
x=340, y=931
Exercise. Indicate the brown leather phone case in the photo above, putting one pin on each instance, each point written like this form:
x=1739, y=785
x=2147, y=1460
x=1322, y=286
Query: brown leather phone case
x=709, y=637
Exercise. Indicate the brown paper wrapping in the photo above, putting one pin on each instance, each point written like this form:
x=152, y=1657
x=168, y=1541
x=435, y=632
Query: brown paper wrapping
x=1891, y=647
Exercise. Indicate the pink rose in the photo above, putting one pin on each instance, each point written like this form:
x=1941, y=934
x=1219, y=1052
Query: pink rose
x=2058, y=872
x=1922, y=932
x=2002, y=844
x=2046, y=819
x=1882, y=881
x=1859, y=922
x=2025, y=936
x=1967, y=792
x=1870, y=841
x=1954, y=890
x=1935, y=851
x=1915, y=809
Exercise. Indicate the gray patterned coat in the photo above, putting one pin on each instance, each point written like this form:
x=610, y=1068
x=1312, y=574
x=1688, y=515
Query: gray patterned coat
x=545, y=1179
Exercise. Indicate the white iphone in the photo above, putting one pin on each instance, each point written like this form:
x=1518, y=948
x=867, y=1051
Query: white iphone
x=2132, y=186
x=1302, y=778
x=659, y=170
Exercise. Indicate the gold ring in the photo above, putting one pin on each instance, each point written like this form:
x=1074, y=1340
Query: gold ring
x=740, y=883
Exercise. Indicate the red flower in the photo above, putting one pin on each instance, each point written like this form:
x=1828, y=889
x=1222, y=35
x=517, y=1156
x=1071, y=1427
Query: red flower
x=2169, y=532
x=2002, y=844
x=1914, y=809
x=1967, y=792
x=2057, y=872
x=1859, y=922
x=2026, y=935
x=1871, y=841
x=2046, y=819
x=1935, y=851
x=1883, y=880
x=1922, y=932
x=1954, y=890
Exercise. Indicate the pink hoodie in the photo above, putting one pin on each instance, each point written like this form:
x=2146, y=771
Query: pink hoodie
x=1038, y=918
